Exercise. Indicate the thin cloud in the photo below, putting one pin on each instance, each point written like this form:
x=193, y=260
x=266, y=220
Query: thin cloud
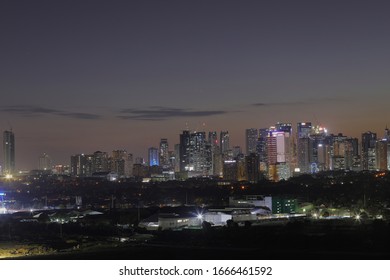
x=278, y=104
x=292, y=103
x=84, y=116
x=158, y=113
x=28, y=111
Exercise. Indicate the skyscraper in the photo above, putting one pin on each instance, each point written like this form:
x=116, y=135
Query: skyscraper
x=303, y=141
x=153, y=156
x=9, y=152
x=195, y=153
x=44, y=162
x=213, y=140
x=368, y=151
x=224, y=141
x=251, y=135
x=118, y=162
x=381, y=155
x=164, y=154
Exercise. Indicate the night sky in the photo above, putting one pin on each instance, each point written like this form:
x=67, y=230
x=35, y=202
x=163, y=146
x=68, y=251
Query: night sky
x=80, y=76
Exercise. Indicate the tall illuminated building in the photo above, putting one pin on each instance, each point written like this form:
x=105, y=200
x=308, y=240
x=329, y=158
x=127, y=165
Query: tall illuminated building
x=381, y=155
x=195, y=153
x=303, y=146
x=44, y=162
x=153, y=157
x=213, y=140
x=164, y=153
x=81, y=165
x=368, y=156
x=252, y=167
x=261, y=149
x=119, y=163
x=224, y=142
x=100, y=162
x=9, y=152
x=185, y=150
x=317, y=141
x=251, y=136
x=285, y=127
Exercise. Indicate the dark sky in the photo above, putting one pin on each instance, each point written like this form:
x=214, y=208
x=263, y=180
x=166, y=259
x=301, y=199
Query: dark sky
x=80, y=76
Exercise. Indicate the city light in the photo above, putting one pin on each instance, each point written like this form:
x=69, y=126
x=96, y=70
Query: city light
x=357, y=217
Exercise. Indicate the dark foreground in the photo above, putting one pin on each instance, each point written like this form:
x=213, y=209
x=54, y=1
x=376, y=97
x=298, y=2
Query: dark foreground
x=299, y=240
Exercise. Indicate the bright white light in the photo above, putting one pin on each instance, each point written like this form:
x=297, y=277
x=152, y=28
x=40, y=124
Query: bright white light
x=200, y=216
x=357, y=217
x=8, y=176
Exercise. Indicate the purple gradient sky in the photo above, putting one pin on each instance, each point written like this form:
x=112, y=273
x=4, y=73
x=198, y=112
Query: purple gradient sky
x=80, y=76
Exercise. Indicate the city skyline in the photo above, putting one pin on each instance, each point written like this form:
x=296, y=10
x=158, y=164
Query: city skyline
x=222, y=144
x=83, y=76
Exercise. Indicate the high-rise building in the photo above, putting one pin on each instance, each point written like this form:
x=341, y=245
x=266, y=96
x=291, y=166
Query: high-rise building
x=118, y=162
x=213, y=140
x=303, y=145
x=195, y=153
x=153, y=156
x=251, y=136
x=185, y=150
x=9, y=152
x=129, y=165
x=285, y=127
x=44, y=162
x=81, y=165
x=368, y=151
x=252, y=167
x=224, y=142
x=100, y=162
x=261, y=149
x=164, y=153
x=317, y=142
x=381, y=155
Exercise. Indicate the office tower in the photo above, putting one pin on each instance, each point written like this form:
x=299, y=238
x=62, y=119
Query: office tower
x=44, y=162
x=237, y=152
x=303, y=140
x=251, y=136
x=338, y=151
x=285, y=127
x=9, y=152
x=177, y=158
x=164, y=153
x=368, y=151
x=252, y=167
x=200, y=153
x=153, y=157
x=185, y=150
x=217, y=164
x=118, y=162
x=100, y=162
x=381, y=155
x=317, y=139
x=129, y=165
x=261, y=148
x=81, y=165
x=195, y=153
x=213, y=140
x=230, y=170
x=279, y=158
x=224, y=142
